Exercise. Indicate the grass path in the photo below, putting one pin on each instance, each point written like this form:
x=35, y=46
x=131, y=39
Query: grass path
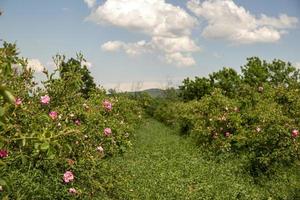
x=163, y=165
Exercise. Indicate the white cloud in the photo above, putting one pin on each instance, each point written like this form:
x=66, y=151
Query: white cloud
x=153, y=17
x=168, y=26
x=132, y=49
x=175, y=44
x=35, y=65
x=226, y=20
x=112, y=46
x=90, y=3
x=283, y=22
x=180, y=59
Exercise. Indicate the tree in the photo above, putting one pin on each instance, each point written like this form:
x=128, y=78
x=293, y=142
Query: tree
x=195, y=89
x=226, y=79
x=77, y=66
x=255, y=72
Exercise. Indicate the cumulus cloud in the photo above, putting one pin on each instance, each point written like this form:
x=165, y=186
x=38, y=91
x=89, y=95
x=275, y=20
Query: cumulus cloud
x=180, y=59
x=226, y=20
x=90, y=3
x=153, y=17
x=35, y=65
x=132, y=49
x=168, y=26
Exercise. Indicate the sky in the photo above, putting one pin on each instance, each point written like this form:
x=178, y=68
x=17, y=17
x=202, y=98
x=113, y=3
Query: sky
x=141, y=44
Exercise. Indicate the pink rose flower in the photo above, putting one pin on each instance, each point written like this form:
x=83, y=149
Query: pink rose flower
x=77, y=122
x=45, y=100
x=295, y=133
x=72, y=191
x=107, y=131
x=53, y=115
x=3, y=153
x=18, y=101
x=68, y=177
x=107, y=105
x=227, y=134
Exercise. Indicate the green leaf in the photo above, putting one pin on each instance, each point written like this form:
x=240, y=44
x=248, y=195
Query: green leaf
x=1, y=111
x=45, y=146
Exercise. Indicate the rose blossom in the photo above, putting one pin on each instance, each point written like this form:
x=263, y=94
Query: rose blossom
x=72, y=191
x=53, y=115
x=295, y=133
x=18, y=101
x=68, y=176
x=77, y=122
x=107, y=105
x=107, y=131
x=45, y=100
x=227, y=134
x=3, y=153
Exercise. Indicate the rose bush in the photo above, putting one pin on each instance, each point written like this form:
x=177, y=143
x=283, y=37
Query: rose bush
x=254, y=115
x=56, y=130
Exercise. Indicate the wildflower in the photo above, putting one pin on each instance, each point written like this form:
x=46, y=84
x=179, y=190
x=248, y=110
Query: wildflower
x=227, y=134
x=45, y=100
x=77, y=122
x=100, y=149
x=107, y=105
x=72, y=191
x=18, y=101
x=260, y=89
x=258, y=129
x=3, y=153
x=68, y=177
x=107, y=131
x=295, y=133
x=53, y=115
x=1, y=188
x=71, y=115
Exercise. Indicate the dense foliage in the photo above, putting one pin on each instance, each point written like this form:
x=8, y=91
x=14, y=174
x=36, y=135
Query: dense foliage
x=254, y=115
x=54, y=137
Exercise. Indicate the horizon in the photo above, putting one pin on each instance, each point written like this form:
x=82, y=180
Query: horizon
x=152, y=43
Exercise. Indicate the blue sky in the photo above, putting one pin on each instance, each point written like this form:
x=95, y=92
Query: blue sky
x=153, y=41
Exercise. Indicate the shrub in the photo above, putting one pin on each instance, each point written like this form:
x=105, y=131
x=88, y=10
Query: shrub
x=59, y=128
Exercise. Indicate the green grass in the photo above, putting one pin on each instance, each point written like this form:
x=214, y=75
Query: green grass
x=164, y=165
